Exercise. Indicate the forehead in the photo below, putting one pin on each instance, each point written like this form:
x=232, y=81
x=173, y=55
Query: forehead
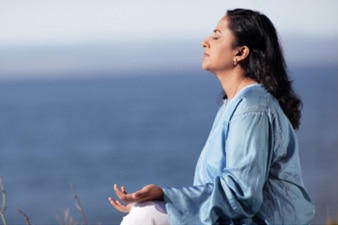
x=223, y=24
x=222, y=28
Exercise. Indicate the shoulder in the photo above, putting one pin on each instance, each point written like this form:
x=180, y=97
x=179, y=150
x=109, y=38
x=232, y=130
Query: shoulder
x=255, y=99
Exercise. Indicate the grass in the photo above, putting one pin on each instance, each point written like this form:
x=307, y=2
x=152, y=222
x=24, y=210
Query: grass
x=67, y=219
x=3, y=206
x=332, y=222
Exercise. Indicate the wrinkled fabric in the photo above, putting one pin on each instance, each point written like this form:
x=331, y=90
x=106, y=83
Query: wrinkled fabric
x=147, y=213
x=249, y=169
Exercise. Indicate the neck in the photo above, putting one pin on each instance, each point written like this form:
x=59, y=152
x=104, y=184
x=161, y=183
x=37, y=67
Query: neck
x=233, y=84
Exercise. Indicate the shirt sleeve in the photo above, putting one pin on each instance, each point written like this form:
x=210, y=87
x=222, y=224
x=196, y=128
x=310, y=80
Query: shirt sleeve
x=237, y=192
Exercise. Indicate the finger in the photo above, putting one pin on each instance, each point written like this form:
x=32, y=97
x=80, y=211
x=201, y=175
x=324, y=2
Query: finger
x=123, y=189
x=122, y=194
x=118, y=205
x=116, y=188
x=140, y=195
x=119, y=191
x=147, y=193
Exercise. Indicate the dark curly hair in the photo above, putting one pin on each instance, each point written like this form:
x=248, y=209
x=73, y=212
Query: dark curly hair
x=265, y=63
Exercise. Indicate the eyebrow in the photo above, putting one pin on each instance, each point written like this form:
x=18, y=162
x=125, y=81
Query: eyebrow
x=216, y=30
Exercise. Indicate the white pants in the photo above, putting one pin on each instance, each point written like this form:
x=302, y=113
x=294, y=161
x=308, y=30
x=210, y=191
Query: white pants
x=147, y=213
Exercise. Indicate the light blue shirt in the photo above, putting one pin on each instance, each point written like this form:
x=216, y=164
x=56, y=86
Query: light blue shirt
x=249, y=170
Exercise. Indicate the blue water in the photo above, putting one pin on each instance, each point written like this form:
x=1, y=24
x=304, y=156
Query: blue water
x=136, y=130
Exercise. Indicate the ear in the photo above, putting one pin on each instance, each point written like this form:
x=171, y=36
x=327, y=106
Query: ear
x=242, y=53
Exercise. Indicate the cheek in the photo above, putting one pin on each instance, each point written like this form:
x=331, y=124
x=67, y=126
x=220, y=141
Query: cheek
x=224, y=56
x=220, y=57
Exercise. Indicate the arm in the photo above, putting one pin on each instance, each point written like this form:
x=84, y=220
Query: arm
x=237, y=190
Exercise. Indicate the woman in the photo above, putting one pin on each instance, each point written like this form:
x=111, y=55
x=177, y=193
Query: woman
x=249, y=170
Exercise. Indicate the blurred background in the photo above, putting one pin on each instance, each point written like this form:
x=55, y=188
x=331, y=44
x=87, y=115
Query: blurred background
x=94, y=93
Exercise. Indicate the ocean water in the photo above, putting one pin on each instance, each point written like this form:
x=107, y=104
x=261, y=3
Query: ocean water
x=136, y=130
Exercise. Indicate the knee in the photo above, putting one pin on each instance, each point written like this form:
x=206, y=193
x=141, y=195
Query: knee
x=152, y=212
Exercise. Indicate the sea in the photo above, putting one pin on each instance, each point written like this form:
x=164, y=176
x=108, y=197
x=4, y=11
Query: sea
x=65, y=142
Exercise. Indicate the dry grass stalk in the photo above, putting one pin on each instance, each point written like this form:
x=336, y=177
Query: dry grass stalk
x=3, y=207
x=79, y=205
x=332, y=222
x=25, y=216
x=67, y=219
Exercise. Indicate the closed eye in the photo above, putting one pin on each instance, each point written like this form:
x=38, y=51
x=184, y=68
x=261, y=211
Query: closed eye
x=216, y=34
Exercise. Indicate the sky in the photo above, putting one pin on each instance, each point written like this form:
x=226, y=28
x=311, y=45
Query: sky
x=58, y=36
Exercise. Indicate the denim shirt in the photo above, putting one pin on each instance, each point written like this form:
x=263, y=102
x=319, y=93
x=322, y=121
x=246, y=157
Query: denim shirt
x=249, y=169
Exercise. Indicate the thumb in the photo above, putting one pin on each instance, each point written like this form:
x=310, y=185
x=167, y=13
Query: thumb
x=140, y=195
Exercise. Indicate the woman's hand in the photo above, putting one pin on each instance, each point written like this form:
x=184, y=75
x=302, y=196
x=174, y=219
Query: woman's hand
x=147, y=193
x=121, y=207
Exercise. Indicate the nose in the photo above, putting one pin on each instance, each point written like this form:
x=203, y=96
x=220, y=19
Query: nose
x=205, y=43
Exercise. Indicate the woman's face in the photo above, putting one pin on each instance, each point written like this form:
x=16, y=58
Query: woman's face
x=219, y=54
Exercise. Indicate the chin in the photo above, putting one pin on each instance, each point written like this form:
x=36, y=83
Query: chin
x=206, y=68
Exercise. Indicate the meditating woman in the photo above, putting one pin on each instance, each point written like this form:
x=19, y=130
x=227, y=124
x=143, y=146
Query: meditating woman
x=249, y=169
